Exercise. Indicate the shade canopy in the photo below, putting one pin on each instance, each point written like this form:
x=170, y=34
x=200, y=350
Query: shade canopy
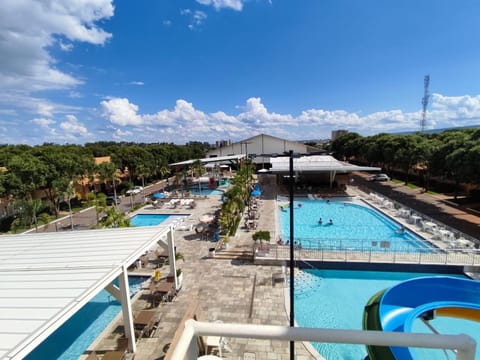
x=316, y=163
x=46, y=277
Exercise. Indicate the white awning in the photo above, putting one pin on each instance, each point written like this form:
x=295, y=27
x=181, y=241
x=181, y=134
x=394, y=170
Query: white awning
x=218, y=159
x=315, y=163
x=46, y=277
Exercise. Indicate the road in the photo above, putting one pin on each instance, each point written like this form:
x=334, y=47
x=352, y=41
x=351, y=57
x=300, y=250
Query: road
x=87, y=218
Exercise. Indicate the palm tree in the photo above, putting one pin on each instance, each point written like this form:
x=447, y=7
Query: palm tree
x=68, y=195
x=114, y=219
x=198, y=168
x=109, y=172
x=164, y=172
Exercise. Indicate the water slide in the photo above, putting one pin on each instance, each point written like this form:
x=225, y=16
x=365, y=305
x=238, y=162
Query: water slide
x=396, y=308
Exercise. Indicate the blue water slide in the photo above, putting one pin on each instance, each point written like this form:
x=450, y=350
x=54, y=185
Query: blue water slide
x=398, y=307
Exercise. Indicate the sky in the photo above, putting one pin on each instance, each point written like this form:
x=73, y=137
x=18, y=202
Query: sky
x=154, y=71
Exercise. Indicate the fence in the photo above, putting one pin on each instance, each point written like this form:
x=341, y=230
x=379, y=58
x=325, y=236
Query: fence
x=462, y=257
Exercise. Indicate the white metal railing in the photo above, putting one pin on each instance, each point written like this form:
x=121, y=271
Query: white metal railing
x=419, y=256
x=187, y=346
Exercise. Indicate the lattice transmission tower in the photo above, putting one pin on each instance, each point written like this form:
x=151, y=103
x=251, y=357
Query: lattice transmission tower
x=426, y=97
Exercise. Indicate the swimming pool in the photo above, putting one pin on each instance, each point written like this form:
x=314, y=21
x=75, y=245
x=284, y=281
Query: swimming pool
x=75, y=336
x=207, y=191
x=148, y=219
x=336, y=299
x=355, y=227
x=156, y=219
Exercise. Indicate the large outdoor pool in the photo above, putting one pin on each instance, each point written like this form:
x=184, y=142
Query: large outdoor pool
x=336, y=299
x=355, y=227
x=75, y=336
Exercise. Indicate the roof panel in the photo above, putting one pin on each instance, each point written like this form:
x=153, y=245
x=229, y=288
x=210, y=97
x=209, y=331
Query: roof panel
x=315, y=163
x=46, y=277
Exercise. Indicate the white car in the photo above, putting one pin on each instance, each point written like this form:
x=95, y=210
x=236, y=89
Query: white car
x=379, y=177
x=136, y=190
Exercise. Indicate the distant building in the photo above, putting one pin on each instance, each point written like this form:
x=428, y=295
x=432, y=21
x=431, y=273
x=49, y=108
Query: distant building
x=338, y=133
x=259, y=145
x=222, y=143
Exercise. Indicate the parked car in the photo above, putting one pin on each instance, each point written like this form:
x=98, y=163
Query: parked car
x=136, y=190
x=379, y=177
x=111, y=200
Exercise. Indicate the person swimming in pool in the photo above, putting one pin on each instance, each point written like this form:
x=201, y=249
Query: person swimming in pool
x=320, y=221
x=330, y=222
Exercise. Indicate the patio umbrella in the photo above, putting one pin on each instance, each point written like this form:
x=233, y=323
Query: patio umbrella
x=206, y=219
x=256, y=192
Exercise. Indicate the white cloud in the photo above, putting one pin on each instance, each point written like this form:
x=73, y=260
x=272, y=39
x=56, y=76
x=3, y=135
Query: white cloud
x=65, y=46
x=196, y=17
x=184, y=122
x=43, y=122
x=73, y=128
x=29, y=28
x=220, y=4
x=256, y=113
x=121, y=112
x=138, y=83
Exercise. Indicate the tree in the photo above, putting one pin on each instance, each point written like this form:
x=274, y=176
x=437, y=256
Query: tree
x=114, y=219
x=107, y=171
x=198, y=168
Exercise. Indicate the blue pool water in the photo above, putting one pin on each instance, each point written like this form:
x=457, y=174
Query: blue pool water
x=148, y=219
x=355, y=227
x=207, y=191
x=336, y=299
x=75, y=336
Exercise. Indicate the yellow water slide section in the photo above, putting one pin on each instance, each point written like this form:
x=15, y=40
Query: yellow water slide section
x=459, y=312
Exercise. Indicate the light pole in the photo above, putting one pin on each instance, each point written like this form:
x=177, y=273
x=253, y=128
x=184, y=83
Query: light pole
x=292, y=249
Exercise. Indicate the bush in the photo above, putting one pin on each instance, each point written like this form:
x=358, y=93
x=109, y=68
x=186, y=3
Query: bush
x=262, y=235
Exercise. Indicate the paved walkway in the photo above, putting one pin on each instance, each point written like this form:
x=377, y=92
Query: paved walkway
x=228, y=290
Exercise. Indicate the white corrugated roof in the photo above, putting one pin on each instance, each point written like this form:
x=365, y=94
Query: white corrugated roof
x=210, y=159
x=315, y=163
x=46, y=277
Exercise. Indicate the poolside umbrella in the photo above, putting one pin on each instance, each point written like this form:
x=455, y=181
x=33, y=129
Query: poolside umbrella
x=256, y=192
x=206, y=219
x=159, y=195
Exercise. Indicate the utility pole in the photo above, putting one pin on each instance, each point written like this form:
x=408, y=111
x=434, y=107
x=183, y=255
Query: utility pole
x=426, y=96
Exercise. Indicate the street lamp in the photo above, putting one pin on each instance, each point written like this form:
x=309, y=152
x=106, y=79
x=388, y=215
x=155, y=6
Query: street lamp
x=292, y=249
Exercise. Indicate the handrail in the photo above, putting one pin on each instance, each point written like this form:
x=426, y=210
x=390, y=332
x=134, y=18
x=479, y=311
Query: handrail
x=187, y=344
x=431, y=256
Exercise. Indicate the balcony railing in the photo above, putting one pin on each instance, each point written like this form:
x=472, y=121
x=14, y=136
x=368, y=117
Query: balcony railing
x=187, y=346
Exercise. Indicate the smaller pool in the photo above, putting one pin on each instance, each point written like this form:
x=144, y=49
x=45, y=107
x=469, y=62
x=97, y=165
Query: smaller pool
x=148, y=219
x=75, y=336
x=206, y=192
x=156, y=219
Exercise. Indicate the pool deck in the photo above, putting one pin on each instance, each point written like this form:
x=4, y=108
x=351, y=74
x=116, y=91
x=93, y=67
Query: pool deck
x=228, y=288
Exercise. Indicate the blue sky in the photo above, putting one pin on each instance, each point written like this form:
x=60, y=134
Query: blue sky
x=206, y=70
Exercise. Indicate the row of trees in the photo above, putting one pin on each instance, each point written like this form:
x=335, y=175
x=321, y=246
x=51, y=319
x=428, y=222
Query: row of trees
x=451, y=156
x=51, y=172
x=236, y=199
